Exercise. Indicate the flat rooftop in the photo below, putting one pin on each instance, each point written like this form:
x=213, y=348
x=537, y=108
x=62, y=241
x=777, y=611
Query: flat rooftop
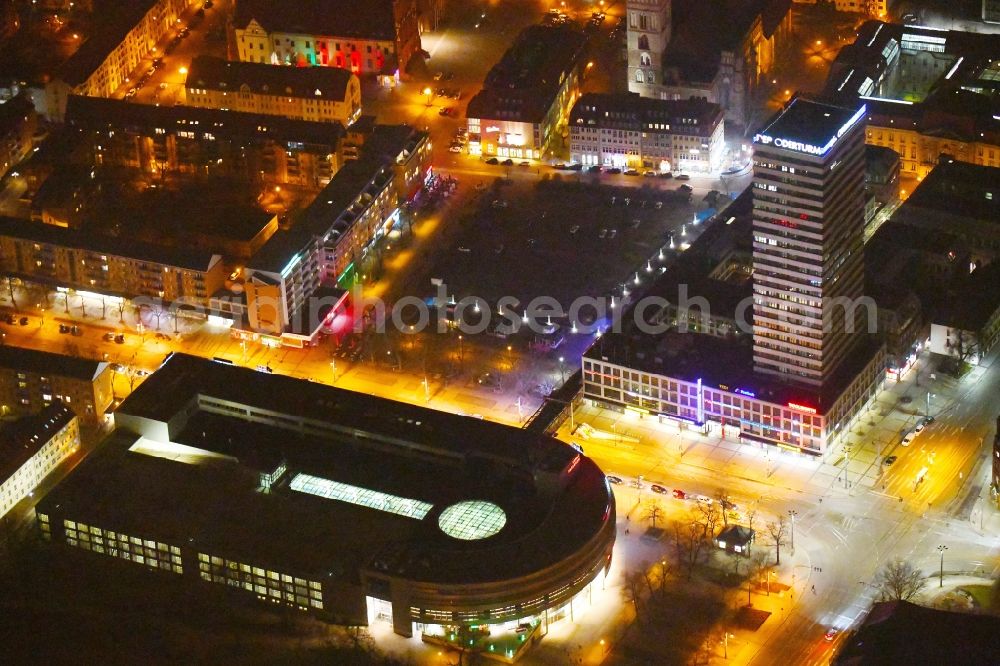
x=961, y=189
x=179, y=257
x=809, y=122
x=49, y=363
x=715, y=360
x=384, y=447
x=96, y=113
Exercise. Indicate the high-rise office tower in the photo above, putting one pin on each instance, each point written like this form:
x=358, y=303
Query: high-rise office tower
x=808, y=225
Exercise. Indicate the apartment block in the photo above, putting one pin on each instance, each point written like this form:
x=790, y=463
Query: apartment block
x=316, y=94
x=32, y=447
x=31, y=381
x=125, y=34
x=629, y=131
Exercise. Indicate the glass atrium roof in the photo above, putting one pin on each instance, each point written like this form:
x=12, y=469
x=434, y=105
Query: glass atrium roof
x=372, y=499
x=472, y=520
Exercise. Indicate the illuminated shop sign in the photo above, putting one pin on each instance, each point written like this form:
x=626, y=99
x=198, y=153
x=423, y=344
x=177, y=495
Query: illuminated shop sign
x=808, y=148
x=802, y=408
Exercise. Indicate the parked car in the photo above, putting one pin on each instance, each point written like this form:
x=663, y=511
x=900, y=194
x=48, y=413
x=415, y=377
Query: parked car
x=23, y=321
x=455, y=148
x=594, y=169
x=682, y=176
x=575, y=228
x=76, y=330
x=108, y=337
x=658, y=489
x=119, y=339
x=447, y=111
x=508, y=162
x=631, y=172
x=679, y=494
x=617, y=480
x=493, y=160
x=614, y=171
x=908, y=439
x=889, y=460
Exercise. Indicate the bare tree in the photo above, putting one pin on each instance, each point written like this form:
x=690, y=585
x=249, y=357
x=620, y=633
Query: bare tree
x=709, y=515
x=777, y=530
x=722, y=497
x=899, y=581
x=633, y=589
x=689, y=545
x=653, y=512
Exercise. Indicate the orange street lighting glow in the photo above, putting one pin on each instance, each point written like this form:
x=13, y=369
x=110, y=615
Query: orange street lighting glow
x=183, y=70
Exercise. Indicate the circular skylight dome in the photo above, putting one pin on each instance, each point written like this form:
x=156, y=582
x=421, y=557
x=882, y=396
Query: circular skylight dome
x=472, y=520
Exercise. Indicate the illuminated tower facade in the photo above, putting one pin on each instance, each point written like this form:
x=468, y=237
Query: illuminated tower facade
x=808, y=231
x=648, y=32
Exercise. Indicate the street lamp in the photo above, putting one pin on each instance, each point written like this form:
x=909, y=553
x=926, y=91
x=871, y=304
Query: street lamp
x=928, y=410
x=792, y=513
x=941, y=550
x=562, y=369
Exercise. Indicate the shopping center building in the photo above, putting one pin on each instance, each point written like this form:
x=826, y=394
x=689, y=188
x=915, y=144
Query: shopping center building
x=752, y=330
x=355, y=508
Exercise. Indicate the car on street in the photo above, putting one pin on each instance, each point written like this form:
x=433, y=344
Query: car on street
x=679, y=494
x=603, y=233
x=208, y=4
x=920, y=427
x=184, y=32
x=23, y=321
x=658, y=489
x=575, y=228
x=614, y=171
x=119, y=339
x=525, y=163
x=666, y=175
x=617, y=480
x=455, y=148
x=687, y=189
x=612, y=234
x=447, y=111
x=703, y=499
x=682, y=176
x=631, y=172
x=488, y=379
x=594, y=169
x=830, y=634
x=499, y=203
x=76, y=330
x=908, y=439
x=439, y=76
x=157, y=63
x=493, y=160
x=108, y=337
x=63, y=328
x=889, y=460
x=508, y=162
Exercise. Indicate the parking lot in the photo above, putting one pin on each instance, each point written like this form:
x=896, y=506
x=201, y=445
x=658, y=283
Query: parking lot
x=558, y=238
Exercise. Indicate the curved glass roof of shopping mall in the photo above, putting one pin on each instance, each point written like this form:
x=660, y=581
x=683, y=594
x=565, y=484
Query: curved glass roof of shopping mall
x=471, y=520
